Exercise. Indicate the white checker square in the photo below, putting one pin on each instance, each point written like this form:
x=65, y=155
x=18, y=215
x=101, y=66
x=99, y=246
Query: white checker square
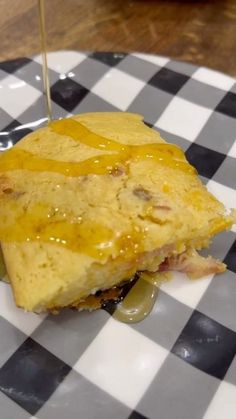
x=118, y=88
x=62, y=61
x=223, y=403
x=26, y=322
x=232, y=151
x=185, y=290
x=224, y=194
x=213, y=78
x=16, y=95
x=122, y=362
x=154, y=59
x=183, y=118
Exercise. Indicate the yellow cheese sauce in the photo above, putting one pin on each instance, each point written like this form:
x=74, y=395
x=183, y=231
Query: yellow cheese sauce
x=35, y=223
x=166, y=154
x=19, y=159
x=40, y=223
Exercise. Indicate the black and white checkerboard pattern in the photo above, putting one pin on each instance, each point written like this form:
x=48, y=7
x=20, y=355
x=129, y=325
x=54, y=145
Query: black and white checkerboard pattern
x=179, y=363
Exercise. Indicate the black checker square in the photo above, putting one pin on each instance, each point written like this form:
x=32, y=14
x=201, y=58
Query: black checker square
x=206, y=161
x=148, y=124
x=227, y=105
x=136, y=415
x=206, y=344
x=31, y=375
x=109, y=58
x=230, y=259
x=14, y=132
x=67, y=93
x=13, y=65
x=168, y=80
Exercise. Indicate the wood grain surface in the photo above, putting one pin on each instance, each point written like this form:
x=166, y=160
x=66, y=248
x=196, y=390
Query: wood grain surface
x=202, y=32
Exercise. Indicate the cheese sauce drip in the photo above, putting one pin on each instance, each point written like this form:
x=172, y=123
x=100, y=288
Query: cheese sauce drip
x=2, y=266
x=140, y=300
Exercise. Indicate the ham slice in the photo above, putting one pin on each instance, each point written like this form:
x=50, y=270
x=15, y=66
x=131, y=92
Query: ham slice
x=194, y=265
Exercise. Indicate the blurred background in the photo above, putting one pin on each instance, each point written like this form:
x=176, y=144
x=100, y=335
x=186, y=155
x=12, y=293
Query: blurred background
x=202, y=32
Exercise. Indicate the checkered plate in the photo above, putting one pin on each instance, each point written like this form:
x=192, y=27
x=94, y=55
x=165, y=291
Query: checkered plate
x=179, y=363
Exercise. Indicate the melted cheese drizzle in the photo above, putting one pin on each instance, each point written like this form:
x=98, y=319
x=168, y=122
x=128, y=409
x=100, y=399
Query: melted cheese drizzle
x=39, y=223
x=166, y=154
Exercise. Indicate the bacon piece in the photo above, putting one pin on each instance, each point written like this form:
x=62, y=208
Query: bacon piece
x=142, y=193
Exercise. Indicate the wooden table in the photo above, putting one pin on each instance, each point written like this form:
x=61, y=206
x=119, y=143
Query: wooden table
x=202, y=32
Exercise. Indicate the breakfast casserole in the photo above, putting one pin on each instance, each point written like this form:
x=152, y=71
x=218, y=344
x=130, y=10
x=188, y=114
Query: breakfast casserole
x=89, y=201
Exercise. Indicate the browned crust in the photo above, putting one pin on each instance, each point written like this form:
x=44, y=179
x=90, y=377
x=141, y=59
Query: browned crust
x=93, y=302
